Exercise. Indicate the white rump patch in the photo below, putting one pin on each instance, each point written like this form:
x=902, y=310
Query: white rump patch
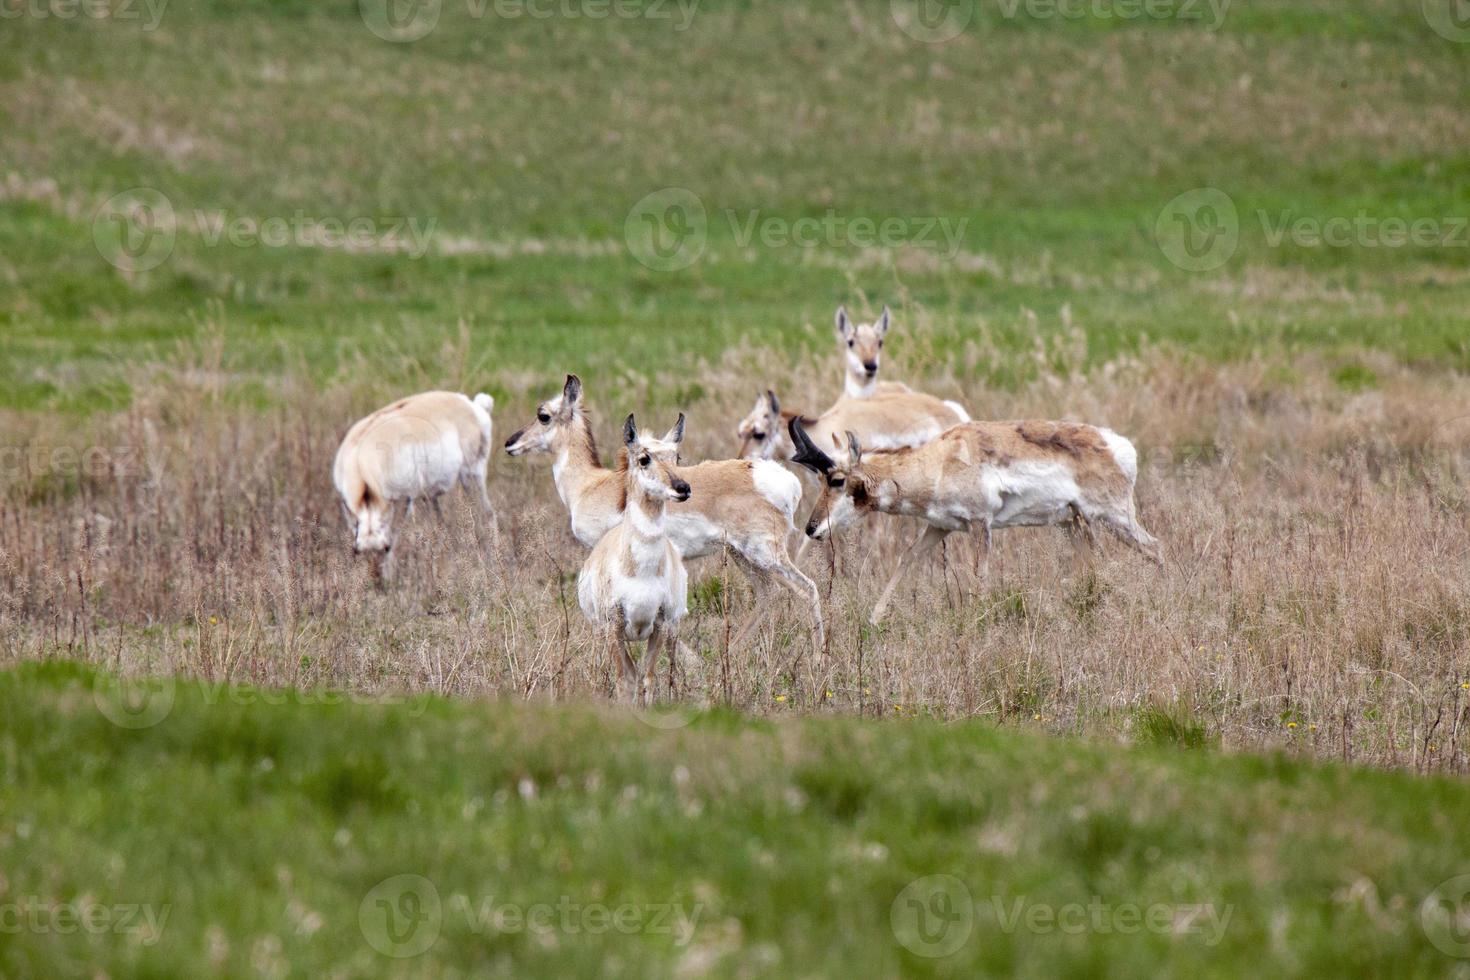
x=778, y=485
x=959, y=410
x=1123, y=452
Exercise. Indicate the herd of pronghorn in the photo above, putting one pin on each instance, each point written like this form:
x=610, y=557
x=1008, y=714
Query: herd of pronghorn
x=881, y=448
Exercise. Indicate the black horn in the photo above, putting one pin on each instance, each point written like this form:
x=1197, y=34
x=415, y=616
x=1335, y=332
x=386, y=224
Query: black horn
x=807, y=453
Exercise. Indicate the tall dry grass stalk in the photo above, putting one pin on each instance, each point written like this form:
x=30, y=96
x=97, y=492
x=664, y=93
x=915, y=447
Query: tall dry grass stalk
x=1317, y=596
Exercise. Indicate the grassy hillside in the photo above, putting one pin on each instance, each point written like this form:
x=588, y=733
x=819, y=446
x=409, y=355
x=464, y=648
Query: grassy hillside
x=255, y=829
x=1026, y=164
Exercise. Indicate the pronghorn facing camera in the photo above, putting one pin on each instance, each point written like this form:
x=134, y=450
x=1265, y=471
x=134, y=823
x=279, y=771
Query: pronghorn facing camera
x=983, y=476
x=746, y=506
x=633, y=586
x=418, y=447
x=885, y=415
x=862, y=347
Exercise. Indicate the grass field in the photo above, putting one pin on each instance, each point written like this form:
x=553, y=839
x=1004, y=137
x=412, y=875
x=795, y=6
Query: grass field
x=1235, y=232
x=276, y=823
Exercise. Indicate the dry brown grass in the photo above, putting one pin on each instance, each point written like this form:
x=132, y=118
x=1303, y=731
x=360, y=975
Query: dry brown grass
x=1317, y=596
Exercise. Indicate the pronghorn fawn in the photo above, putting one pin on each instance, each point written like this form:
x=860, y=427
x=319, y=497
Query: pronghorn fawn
x=416, y=448
x=984, y=476
x=633, y=586
x=746, y=506
x=885, y=415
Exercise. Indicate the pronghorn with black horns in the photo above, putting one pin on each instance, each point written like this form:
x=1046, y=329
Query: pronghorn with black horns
x=633, y=586
x=885, y=415
x=983, y=476
x=746, y=506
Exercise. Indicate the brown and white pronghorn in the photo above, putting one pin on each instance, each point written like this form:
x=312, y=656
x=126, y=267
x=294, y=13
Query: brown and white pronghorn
x=416, y=448
x=747, y=506
x=984, y=476
x=885, y=415
x=633, y=586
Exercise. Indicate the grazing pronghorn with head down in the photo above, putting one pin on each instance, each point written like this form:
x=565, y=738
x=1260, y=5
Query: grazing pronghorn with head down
x=885, y=415
x=633, y=586
x=984, y=476
x=418, y=447
x=746, y=506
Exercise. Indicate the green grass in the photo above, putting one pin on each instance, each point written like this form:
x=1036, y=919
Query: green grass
x=1052, y=144
x=259, y=823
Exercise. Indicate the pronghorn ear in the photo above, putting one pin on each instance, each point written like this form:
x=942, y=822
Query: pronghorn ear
x=572, y=390
x=775, y=405
x=844, y=325
x=676, y=434
x=630, y=431
x=853, y=449
x=807, y=454
x=882, y=325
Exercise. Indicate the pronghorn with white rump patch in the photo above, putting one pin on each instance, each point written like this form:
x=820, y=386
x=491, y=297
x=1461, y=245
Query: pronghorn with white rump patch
x=418, y=447
x=984, y=476
x=885, y=415
x=633, y=587
x=746, y=506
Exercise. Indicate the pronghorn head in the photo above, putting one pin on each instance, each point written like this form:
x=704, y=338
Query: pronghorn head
x=845, y=491
x=371, y=520
x=862, y=343
x=760, y=431
x=651, y=461
x=552, y=418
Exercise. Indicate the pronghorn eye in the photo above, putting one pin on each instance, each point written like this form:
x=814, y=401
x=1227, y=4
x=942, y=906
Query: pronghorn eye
x=757, y=435
x=542, y=417
x=837, y=482
x=643, y=460
x=849, y=343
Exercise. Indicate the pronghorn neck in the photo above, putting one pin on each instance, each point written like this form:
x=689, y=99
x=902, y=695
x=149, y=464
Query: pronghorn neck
x=884, y=472
x=858, y=387
x=644, y=537
x=576, y=458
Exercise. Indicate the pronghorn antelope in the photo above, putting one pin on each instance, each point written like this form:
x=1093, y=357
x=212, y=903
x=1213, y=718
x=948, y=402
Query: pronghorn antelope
x=418, y=447
x=746, y=506
x=633, y=586
x=885, y=415
x=984, y=476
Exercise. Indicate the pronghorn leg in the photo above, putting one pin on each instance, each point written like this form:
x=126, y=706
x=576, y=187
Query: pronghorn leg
x=474, y=484
x=1127, y=529
x=932, y=536
x=799, y=582
x=438, y=511
x=623, y=667
x=760, y=585
x=983, y=558
x=1084, y=539
x=656, y=640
